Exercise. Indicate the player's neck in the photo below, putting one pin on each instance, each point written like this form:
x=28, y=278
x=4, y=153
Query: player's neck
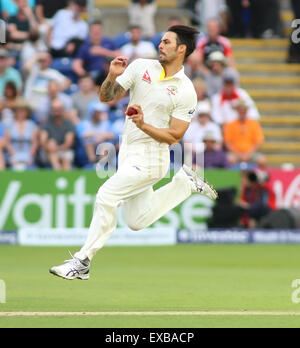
x=172, y=68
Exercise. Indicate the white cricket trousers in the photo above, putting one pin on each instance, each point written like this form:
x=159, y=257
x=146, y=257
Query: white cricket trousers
x=140, y=167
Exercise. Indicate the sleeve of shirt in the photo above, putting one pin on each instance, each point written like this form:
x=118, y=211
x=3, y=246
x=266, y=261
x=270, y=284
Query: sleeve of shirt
x=258, y=133
x=227, y=133
x=216, y=113
x=58, y=77
x=127, y=79
x=85, y=31
x=1, y=131
x=16, y=77
x=186, y=107
x=81, y=54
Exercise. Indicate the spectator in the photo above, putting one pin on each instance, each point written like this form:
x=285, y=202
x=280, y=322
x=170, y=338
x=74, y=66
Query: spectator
x=210, y=43
x=9, y=103
x=156, y=39
x=93, y=54
x=96, y=130
x=239, y=18
x=84, y=97
x=208, y=9
x=2, y=148
x=32, y=47
x=261, y=18
x=214, y=156
x=141, y=13
x=201, y=90
x=39, y=77
x=46, y=10
x=10, y=8
x=22, y=23
x=258, y=199
x=265, y=18
x=22, y=138
x=218, y=67
x=7, y=73
x=54, y=93
x=68, y=30
x=243, y=137
x=57, y=138
x=200, y=126
x=138, y=48
x=223, y=110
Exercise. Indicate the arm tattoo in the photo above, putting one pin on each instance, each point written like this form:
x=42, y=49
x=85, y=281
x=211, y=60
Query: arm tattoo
x=110, y=91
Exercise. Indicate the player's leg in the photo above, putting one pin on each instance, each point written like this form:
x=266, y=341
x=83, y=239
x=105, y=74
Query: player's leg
x=128, y=182
x=146, y=208
x=149, y=206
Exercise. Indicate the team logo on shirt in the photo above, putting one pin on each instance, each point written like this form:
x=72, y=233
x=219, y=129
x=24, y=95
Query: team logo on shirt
x=147, y=77
x=172, y=90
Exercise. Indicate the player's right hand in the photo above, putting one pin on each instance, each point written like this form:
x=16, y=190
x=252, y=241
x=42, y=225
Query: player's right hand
x=118, y=66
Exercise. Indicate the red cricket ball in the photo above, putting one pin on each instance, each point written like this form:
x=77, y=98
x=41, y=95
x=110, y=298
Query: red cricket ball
x=131, y=111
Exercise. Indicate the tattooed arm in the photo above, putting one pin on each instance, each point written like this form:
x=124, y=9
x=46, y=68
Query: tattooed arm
x=110, y=89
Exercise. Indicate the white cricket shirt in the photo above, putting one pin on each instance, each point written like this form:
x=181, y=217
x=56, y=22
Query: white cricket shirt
x=160, y=98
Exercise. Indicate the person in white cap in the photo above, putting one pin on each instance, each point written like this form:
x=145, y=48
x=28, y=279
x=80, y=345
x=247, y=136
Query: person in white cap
x=162, y=104
x=217, y=63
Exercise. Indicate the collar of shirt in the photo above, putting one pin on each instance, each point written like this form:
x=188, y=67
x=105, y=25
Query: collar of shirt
x=225, y=97
x=178, y=75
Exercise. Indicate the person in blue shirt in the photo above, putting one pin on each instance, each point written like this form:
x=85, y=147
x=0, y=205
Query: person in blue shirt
x=93, y=54
x=2, y=147
x=95, y=130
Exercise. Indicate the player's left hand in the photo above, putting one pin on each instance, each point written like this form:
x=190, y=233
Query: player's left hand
x=138, y=118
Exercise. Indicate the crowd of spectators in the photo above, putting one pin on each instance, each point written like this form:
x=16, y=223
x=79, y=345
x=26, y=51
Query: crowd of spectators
x=54, y=62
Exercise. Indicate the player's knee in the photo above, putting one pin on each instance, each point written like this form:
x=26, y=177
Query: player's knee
x=135, y=225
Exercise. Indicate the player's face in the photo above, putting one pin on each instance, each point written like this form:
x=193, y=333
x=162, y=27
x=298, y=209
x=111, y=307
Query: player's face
x=168, y=48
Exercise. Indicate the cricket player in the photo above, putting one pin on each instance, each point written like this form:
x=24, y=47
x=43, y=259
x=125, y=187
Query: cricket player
x=164, y=101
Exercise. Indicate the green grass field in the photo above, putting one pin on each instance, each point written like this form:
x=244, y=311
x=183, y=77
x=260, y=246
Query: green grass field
x=214, y=278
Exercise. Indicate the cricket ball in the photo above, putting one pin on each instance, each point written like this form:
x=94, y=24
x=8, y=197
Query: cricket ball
x=131, y=111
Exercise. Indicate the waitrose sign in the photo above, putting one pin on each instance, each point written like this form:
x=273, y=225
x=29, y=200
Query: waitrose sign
x=47, y=199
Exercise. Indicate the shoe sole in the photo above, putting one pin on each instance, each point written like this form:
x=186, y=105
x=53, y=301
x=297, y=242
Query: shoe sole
x=59, y=276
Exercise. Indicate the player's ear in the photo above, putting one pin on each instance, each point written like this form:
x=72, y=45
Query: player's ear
x=182, y=49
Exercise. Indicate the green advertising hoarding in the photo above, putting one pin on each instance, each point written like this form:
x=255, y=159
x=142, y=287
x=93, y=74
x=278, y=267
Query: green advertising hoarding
x=48, y=199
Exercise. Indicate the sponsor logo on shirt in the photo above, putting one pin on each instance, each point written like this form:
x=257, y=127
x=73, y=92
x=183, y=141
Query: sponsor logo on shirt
x=172, y=90
x=147, y=77
x=192, y=112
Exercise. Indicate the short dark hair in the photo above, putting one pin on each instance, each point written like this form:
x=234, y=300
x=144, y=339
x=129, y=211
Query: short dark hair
x=96, y=22
x=134, y=26
x=186, y=36
x=82, y=3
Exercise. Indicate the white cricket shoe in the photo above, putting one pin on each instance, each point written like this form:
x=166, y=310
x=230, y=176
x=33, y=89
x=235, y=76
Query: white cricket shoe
x=72, y=269
x=200, y=185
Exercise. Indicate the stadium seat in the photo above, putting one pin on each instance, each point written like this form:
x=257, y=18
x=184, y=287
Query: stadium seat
x=64, y=65
x=122, y=39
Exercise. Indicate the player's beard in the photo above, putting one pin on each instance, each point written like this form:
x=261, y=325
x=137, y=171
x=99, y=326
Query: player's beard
x=164, y=59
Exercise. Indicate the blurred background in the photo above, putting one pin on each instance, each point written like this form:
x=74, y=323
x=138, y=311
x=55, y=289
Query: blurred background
x=246, y=71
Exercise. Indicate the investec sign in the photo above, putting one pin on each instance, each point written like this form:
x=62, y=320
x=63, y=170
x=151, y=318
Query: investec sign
x=52, y=200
